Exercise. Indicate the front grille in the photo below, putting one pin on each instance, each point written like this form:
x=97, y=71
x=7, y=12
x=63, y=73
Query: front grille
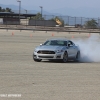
x=58, y=57
x=45, y=52
x=45, y=56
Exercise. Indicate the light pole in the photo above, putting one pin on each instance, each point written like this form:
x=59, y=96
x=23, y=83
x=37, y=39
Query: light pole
x=19, y=8
x=41, y=11
x=26, y=17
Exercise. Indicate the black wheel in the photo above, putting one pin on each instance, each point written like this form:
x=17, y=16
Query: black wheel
x=37, y=60
x=65, y=57
x=77, y=56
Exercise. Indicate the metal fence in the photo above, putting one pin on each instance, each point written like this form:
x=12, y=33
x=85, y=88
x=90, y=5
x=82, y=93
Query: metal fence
x=72, y=21
x=69, y=22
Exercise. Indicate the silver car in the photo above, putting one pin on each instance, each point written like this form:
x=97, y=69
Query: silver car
x=57, y=49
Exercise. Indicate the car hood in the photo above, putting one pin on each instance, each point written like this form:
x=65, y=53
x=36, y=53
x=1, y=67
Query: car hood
x=52, y=48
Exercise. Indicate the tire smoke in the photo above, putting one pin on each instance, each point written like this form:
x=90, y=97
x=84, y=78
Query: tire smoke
x=89, y=48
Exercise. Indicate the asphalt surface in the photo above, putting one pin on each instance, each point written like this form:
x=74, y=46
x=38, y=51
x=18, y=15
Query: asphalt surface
x=23, y=79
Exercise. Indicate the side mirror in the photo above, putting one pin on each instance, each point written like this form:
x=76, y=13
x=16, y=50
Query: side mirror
x=68, y=45
x=41, y=44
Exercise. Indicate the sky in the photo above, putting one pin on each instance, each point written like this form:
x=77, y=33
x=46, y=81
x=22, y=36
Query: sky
x=55, y=4
x=51, y=5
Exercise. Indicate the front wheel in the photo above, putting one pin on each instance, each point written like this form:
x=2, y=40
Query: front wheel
x=77, y=56
x=37, y=60
x=65, y=57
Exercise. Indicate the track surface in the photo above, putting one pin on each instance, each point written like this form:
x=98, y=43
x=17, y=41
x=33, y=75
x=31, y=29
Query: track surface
x=45, y=80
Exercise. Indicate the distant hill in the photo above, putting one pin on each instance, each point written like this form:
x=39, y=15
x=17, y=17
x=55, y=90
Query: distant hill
x=29, y=10
x=77, y=12
x=10, y=6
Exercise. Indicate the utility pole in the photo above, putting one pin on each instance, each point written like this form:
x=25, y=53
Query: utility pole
x=41, y=11
x=19, y=8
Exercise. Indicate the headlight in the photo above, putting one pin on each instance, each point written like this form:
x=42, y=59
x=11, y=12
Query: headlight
x=59, y=51
x=35, y=50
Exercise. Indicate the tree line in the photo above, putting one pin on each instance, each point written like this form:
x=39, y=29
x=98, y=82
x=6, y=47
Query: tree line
x=5, y=9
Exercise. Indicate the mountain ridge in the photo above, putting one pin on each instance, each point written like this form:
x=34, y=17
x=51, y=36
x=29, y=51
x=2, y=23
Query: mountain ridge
x=74, y=12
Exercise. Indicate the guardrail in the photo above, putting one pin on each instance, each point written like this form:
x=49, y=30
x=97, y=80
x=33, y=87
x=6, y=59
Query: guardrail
x=56, y=29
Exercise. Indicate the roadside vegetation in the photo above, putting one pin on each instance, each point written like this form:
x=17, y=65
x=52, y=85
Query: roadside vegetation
x=91, y=24
x=38, y=17
x=5, y=9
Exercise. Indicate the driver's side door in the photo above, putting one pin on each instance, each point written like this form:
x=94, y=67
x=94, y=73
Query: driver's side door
x=71, y=49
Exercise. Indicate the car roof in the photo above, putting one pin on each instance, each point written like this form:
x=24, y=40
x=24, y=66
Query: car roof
x=63, y=39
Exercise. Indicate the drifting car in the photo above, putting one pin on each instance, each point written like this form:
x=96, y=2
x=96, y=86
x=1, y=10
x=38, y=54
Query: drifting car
x=57, y=49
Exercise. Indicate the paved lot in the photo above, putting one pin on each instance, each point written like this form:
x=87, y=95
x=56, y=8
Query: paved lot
x=23, y=79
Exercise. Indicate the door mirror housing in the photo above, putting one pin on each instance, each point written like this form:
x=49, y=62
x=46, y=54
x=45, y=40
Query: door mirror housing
x=41, y=44
x=68, y=45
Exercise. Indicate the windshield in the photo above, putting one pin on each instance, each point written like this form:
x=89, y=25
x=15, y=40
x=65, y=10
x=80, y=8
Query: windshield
x=56, y=43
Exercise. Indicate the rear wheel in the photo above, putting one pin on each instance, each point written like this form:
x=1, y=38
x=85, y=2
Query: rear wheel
x=65, y=57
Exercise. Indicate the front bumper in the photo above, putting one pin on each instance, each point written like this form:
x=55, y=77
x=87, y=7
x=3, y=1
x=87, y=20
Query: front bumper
x=48, y=56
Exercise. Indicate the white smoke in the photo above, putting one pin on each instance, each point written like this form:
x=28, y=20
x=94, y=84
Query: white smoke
x=89, y=48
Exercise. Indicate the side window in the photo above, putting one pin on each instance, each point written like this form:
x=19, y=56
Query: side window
x=65, y=43
x=70, y=43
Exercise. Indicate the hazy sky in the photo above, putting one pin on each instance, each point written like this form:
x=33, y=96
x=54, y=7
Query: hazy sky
x=87, y=8
x=55, y=4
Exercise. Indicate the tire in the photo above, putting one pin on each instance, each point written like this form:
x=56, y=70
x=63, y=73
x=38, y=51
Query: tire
x=65, y=57
x=77, y=56
x=37, y=60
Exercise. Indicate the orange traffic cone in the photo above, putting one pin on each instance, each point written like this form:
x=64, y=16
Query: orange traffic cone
x=12, y=33
x=30, y=35
x=52, y=34
x=89, y=35
x=72, y=37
